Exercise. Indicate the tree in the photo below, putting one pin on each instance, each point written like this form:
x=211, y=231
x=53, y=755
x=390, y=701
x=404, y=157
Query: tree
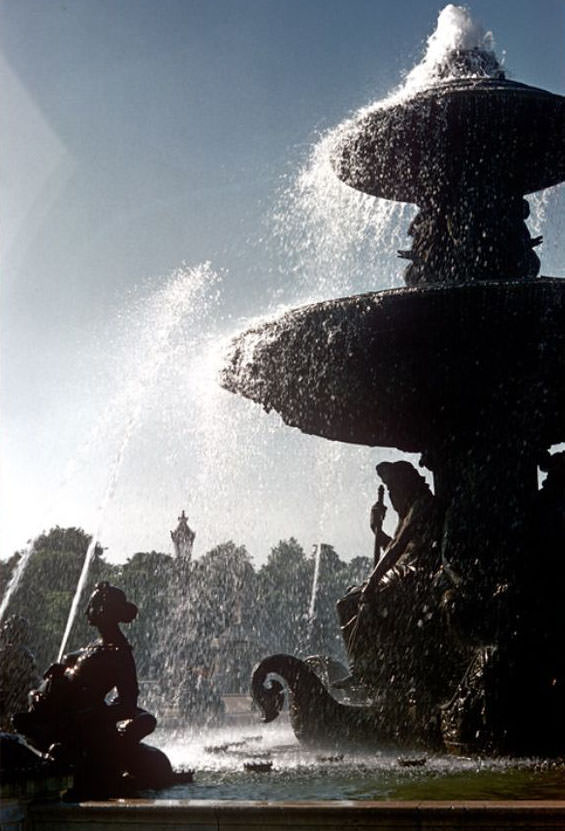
x=222, y=588
x=188, y=611
x=7, y=568
x=147, y=578
x=47, y=588
x=283, y=595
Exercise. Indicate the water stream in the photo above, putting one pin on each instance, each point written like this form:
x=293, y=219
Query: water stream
x=169, y=307
x=15, y=581
x=316, y=581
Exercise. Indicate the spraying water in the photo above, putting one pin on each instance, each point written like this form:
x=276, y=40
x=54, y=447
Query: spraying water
x=14, y=581
x=456, y=32
x=169, y=308
x=335, y=240
x=339, y=240
x=316, y=580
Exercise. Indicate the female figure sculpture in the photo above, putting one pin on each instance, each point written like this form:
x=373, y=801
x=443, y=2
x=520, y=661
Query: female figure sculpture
x=71, y=718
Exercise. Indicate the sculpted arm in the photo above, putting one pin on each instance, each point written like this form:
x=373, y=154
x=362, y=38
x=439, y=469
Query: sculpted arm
x=126, y=684
x=393, y=553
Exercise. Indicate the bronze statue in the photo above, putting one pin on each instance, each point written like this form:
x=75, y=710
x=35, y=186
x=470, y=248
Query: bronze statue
x=413, y=501
x=378, y=513
x=393, y=626
x=71, y=719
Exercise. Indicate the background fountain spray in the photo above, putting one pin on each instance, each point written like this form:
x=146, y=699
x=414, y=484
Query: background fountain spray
x=89, y=210
x=178, y=297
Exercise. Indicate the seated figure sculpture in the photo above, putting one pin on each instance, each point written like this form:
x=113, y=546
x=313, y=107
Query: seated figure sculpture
x=413, y=501
x=403, y=660
x=392, y=623
x=71, y=720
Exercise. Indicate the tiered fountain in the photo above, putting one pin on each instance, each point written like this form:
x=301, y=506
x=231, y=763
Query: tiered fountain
x=460, y=643
x=466, y=365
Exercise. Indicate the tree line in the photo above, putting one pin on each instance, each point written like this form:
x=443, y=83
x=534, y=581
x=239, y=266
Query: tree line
x=191, y=614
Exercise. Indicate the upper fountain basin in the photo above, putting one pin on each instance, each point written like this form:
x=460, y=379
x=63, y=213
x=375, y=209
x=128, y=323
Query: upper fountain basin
x=408, y=367
x=454, y=135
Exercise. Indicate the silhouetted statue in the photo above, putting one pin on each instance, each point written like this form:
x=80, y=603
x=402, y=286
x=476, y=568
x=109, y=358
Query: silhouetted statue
x=378, y=513
x=71, y=720
x=412, y=499
x=450, y=226
x=491, y=708
x=18, y=671
x=392, y=625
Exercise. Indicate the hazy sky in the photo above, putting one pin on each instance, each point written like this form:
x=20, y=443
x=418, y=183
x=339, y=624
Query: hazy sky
x=138, y=135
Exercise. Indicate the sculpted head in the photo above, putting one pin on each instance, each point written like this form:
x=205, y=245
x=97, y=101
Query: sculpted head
x=109, y=605
x=403, y=482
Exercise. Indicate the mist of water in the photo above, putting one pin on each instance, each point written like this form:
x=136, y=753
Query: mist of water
x=338, y=240
x=15, y=581
x=223, y=459
x=315, y=581
x=167, y=311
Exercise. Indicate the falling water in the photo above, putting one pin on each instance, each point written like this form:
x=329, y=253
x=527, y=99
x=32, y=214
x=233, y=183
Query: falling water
x=315, y=582
x=14, y=581
x=338, y=240
x=334, y=240
x=167, y=311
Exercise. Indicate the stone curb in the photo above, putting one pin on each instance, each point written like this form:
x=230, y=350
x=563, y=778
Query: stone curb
x=204, y=815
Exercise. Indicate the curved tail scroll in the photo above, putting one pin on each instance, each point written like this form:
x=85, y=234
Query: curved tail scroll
x=316, y=717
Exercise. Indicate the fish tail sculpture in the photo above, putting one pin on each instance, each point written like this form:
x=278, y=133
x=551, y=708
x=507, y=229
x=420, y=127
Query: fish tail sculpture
x=316, y=717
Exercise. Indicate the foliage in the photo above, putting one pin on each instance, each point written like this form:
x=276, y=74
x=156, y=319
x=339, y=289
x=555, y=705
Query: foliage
x=7, y=568
x=47, y=588
x=192, y=616
x=221, y=595
x=147, y=580
x=283, y=595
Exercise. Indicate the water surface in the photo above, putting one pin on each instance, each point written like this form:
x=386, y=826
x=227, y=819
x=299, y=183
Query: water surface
x=218, y=758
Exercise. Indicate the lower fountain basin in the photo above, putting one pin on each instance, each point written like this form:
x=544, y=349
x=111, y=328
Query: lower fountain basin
x=406, y=367
x=298, y=774
x=304, y=790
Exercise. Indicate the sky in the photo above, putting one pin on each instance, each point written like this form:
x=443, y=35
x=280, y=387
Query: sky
x=149, y=211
